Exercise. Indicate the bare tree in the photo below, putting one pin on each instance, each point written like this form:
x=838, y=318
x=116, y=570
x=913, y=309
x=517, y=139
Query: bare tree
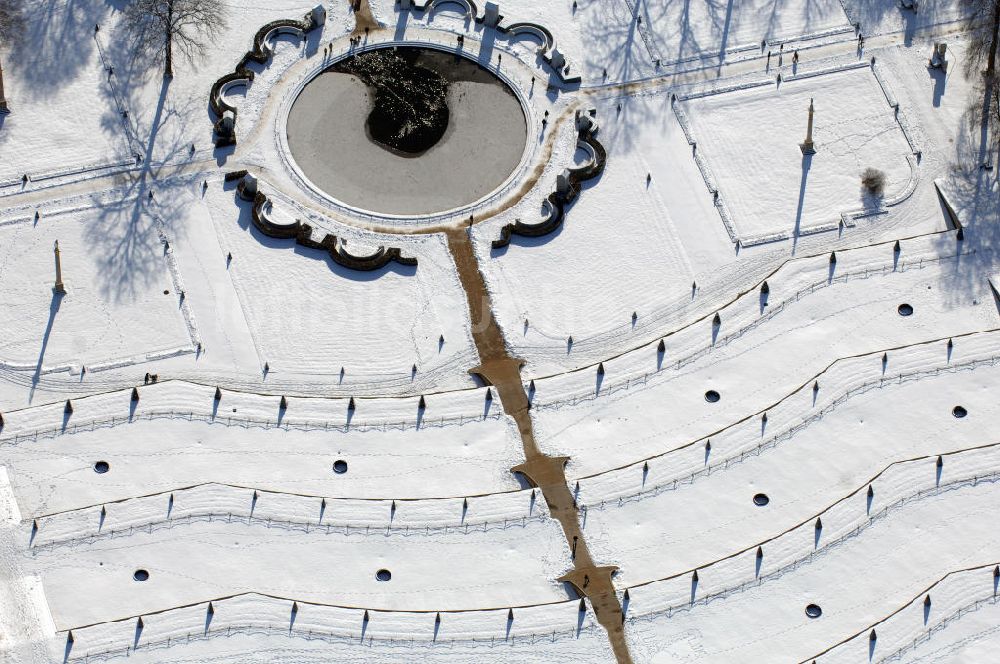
x=160, y=26
x=984, y=27
x=11, y=27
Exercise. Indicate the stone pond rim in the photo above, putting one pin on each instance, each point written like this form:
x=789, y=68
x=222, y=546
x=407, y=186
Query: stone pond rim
x=355, y=137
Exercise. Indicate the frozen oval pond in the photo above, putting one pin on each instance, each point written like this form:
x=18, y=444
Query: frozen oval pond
x=331, y=138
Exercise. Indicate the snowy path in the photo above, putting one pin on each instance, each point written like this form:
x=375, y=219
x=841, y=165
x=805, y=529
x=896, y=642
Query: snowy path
x=25, y=621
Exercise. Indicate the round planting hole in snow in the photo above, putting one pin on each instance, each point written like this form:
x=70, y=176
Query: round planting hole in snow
x=712, y=396
x=959, y=411
x=905, y=310
x=761, y=499
x=140, y=575
x=383, y=575
x=813, y=611
x=340, y=466
x=102, y=467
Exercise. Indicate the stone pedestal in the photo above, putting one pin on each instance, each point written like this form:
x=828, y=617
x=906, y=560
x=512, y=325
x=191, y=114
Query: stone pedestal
x=318, y=15
x=247, y=188
x=491, y=14
x=558, y=60
x=225, y=130
x=938, y=57
x=562, y=182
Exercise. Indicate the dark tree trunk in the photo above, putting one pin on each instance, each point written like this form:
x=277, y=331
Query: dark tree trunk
x=3, y=100
x=991, y=61
x=991, y=84
x=169, y=73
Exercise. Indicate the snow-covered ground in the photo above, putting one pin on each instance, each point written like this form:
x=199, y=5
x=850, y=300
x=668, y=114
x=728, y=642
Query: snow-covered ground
x=770, y=187
x=121, y=301
x=856, y=583
x=716, y=318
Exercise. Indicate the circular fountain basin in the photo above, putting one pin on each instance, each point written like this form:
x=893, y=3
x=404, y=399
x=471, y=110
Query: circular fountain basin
x=407, y=131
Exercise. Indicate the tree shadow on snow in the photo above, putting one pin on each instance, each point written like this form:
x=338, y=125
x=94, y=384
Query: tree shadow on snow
x=125, y=231
x=872, y=14
x=975, y=192
x=57, y=44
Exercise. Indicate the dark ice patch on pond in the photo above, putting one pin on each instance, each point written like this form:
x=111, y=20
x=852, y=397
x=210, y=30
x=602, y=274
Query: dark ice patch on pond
x=410, y=110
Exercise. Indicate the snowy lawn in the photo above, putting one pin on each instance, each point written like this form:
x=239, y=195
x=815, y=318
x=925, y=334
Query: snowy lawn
x=581, y=280
x=856, y=583
x=750, y=139
x=55, y=474
x=802, y=476
x=757, y=369
x=309, y=315
x=121, y=303
x=213, y=560
x=63, y=109
x=243, y=629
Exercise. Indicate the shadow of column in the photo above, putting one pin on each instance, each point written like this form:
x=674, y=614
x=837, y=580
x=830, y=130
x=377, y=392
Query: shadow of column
x=940, y=80
x=806, y=165
x=53, y=310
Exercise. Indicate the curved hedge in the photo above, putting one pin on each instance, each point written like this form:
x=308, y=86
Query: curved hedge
x=302, y=233
x=558, y=200
x=225, y=113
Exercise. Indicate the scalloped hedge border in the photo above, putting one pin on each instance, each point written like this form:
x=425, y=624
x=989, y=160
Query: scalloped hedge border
x=301, y=232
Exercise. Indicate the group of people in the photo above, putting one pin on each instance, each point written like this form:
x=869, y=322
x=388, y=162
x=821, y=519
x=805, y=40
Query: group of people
x=795, y=53
x=355, y=40
x=781, y=52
